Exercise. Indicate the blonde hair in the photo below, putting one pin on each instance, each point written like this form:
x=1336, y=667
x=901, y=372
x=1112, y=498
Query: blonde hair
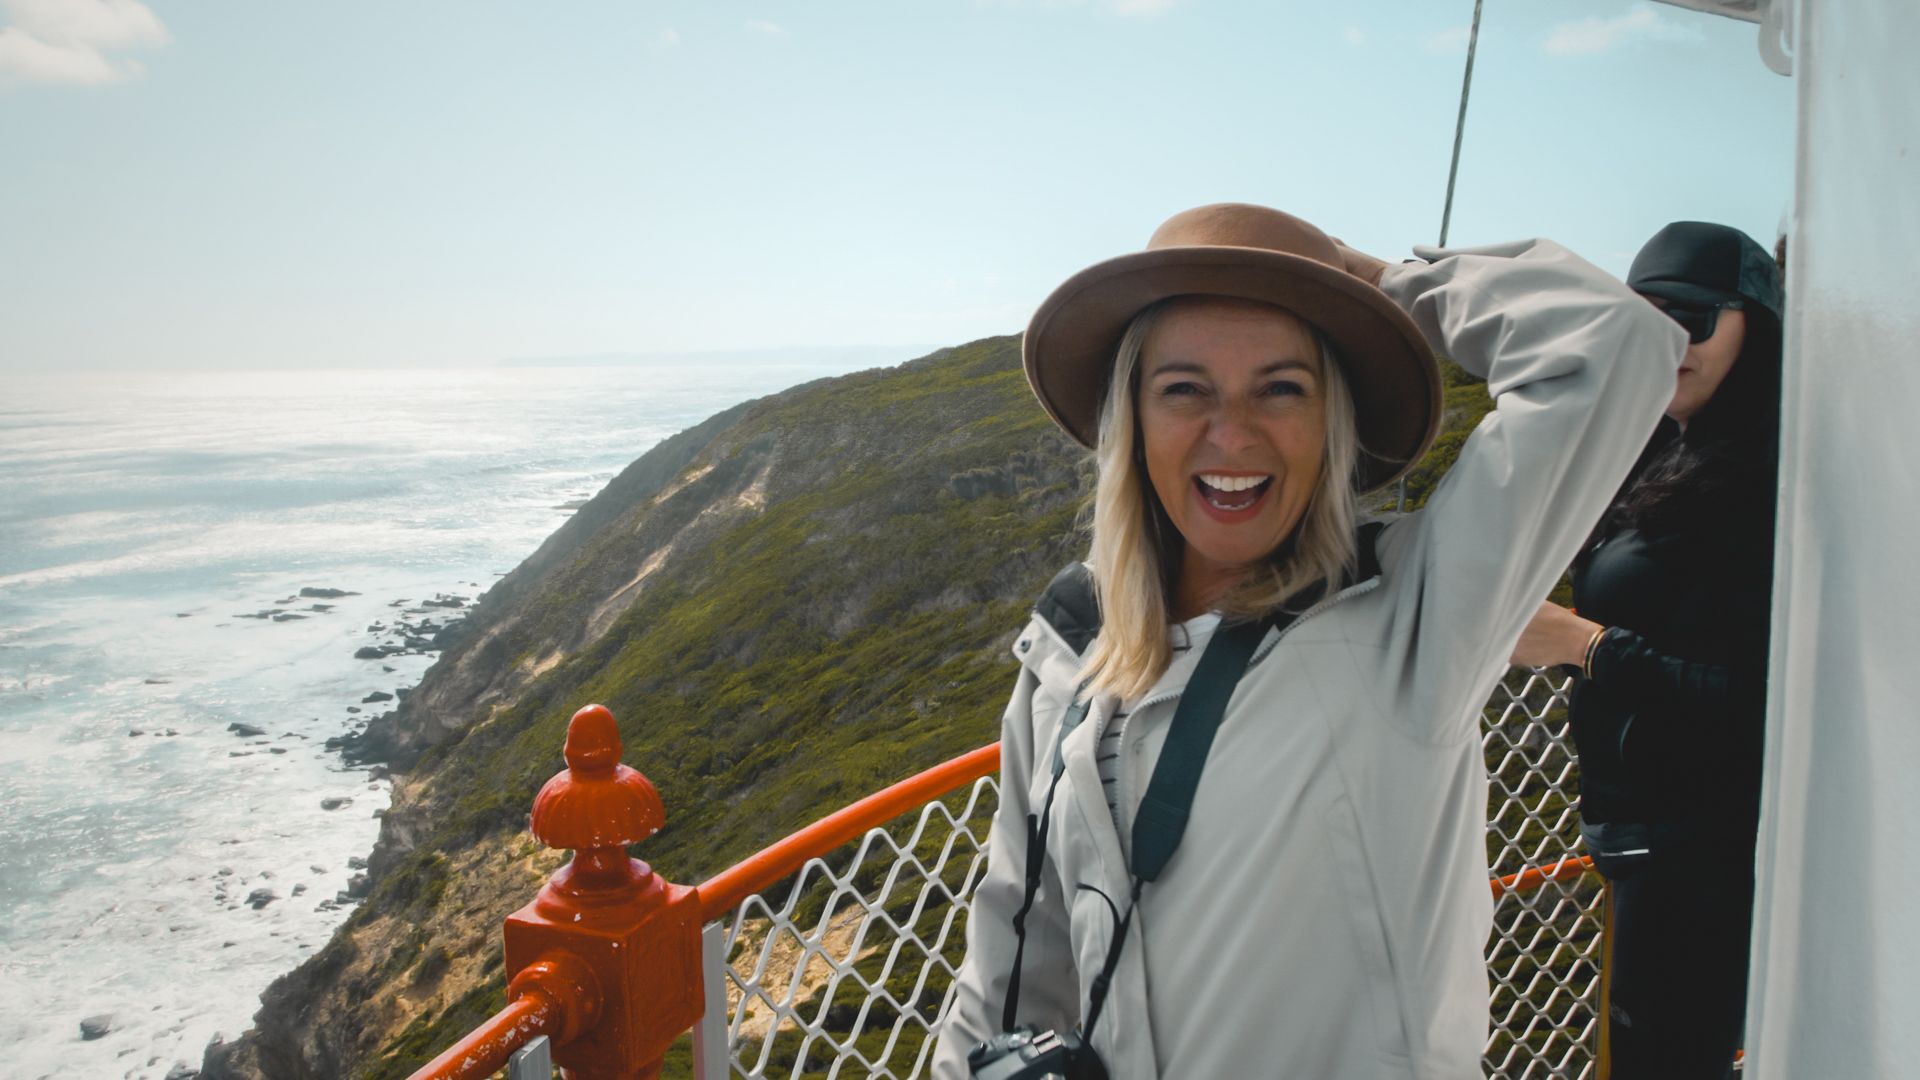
x=1136, y=548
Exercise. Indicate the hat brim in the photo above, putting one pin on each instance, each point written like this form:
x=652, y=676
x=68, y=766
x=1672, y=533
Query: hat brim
x=1070, y=345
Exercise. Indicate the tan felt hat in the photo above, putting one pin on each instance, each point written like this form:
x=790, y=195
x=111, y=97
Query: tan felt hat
x=1252, y=253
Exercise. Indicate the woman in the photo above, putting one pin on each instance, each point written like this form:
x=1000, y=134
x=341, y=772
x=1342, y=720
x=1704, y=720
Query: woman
x=1314, y=902
x=1675, y=596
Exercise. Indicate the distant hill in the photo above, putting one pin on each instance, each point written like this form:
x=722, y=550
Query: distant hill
x=794, y=604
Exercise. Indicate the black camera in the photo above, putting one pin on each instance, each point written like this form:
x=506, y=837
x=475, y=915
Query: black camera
x=1026, y=1053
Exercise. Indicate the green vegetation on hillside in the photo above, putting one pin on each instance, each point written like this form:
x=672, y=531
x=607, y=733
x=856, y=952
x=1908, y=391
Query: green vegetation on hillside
x=833, y=641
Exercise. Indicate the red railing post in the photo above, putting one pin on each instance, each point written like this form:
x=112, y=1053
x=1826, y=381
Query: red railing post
x=606, y=959
x=615, y=944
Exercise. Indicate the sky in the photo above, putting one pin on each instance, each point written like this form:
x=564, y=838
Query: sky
x=192, y=184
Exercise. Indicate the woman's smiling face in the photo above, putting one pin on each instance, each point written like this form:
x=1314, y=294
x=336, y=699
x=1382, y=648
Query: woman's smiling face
x=1234, y=425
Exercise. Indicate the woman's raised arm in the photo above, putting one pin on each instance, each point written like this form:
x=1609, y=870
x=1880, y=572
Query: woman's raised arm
x=1580, y=369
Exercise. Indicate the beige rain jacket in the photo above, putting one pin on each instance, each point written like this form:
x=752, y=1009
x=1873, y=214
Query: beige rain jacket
x=1325, y=915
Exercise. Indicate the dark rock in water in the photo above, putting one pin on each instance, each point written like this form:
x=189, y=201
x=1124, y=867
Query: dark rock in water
x=158, y=682
x=300, y=889
x=374, y=744
x=239, y=753
x=260, y=898
x=379, y=772
x=326, y=594
x=287, y=600
x=183, y=1071
x=134, y=732
x=377, y=695
x=359, y=885
x=320, y=607
x=335, y=802
x=353, y=708
x=245, y=731
x=277, y=750
x=287, y=616
x=256, y=615
x=369, y=652
x=451, y=634
x=317, y=868
x=355, y=862
x=94, y=1027
x=183, y=614
x=384, y=667
x=444, y=602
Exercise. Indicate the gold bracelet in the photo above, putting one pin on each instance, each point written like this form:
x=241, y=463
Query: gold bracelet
x=1586, y=663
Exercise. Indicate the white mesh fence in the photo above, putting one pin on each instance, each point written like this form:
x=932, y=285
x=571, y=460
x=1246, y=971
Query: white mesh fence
x=1544, y=956
x=845, y=973
x=846, y=976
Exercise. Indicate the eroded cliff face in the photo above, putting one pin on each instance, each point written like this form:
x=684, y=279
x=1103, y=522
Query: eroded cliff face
x=795, y=603
x=507, y=641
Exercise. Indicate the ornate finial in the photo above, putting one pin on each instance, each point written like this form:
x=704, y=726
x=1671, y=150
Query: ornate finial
x=606, y=959
x=597, y=804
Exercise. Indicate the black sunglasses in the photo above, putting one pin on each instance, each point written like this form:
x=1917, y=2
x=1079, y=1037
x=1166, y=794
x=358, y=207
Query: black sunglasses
x=1699, y=322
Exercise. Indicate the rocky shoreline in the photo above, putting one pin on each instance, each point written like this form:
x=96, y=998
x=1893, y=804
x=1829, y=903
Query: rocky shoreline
x=415, y=627
x=421, y=627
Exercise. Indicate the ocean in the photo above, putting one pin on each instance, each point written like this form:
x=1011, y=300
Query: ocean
x=173, y=832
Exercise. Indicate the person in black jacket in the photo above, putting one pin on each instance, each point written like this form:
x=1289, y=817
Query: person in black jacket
x=1674, y=597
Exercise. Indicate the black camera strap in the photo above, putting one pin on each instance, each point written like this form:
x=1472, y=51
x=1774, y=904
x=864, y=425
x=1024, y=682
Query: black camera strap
x=1161, y=820
x=1037, y=854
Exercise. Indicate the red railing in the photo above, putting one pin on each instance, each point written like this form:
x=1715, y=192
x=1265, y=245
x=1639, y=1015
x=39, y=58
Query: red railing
x=724, y=891
x=605, y=961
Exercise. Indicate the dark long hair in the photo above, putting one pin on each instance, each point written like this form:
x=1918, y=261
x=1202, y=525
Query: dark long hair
x=1722, y=472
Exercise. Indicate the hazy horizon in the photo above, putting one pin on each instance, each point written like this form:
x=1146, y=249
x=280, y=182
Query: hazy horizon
x=878, y=355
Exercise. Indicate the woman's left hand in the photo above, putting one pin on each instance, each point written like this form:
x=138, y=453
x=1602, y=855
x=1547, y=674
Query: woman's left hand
x=1555, y=635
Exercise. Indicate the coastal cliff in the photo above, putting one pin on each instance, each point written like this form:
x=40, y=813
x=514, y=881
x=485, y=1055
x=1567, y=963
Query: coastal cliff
x=793, y=604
